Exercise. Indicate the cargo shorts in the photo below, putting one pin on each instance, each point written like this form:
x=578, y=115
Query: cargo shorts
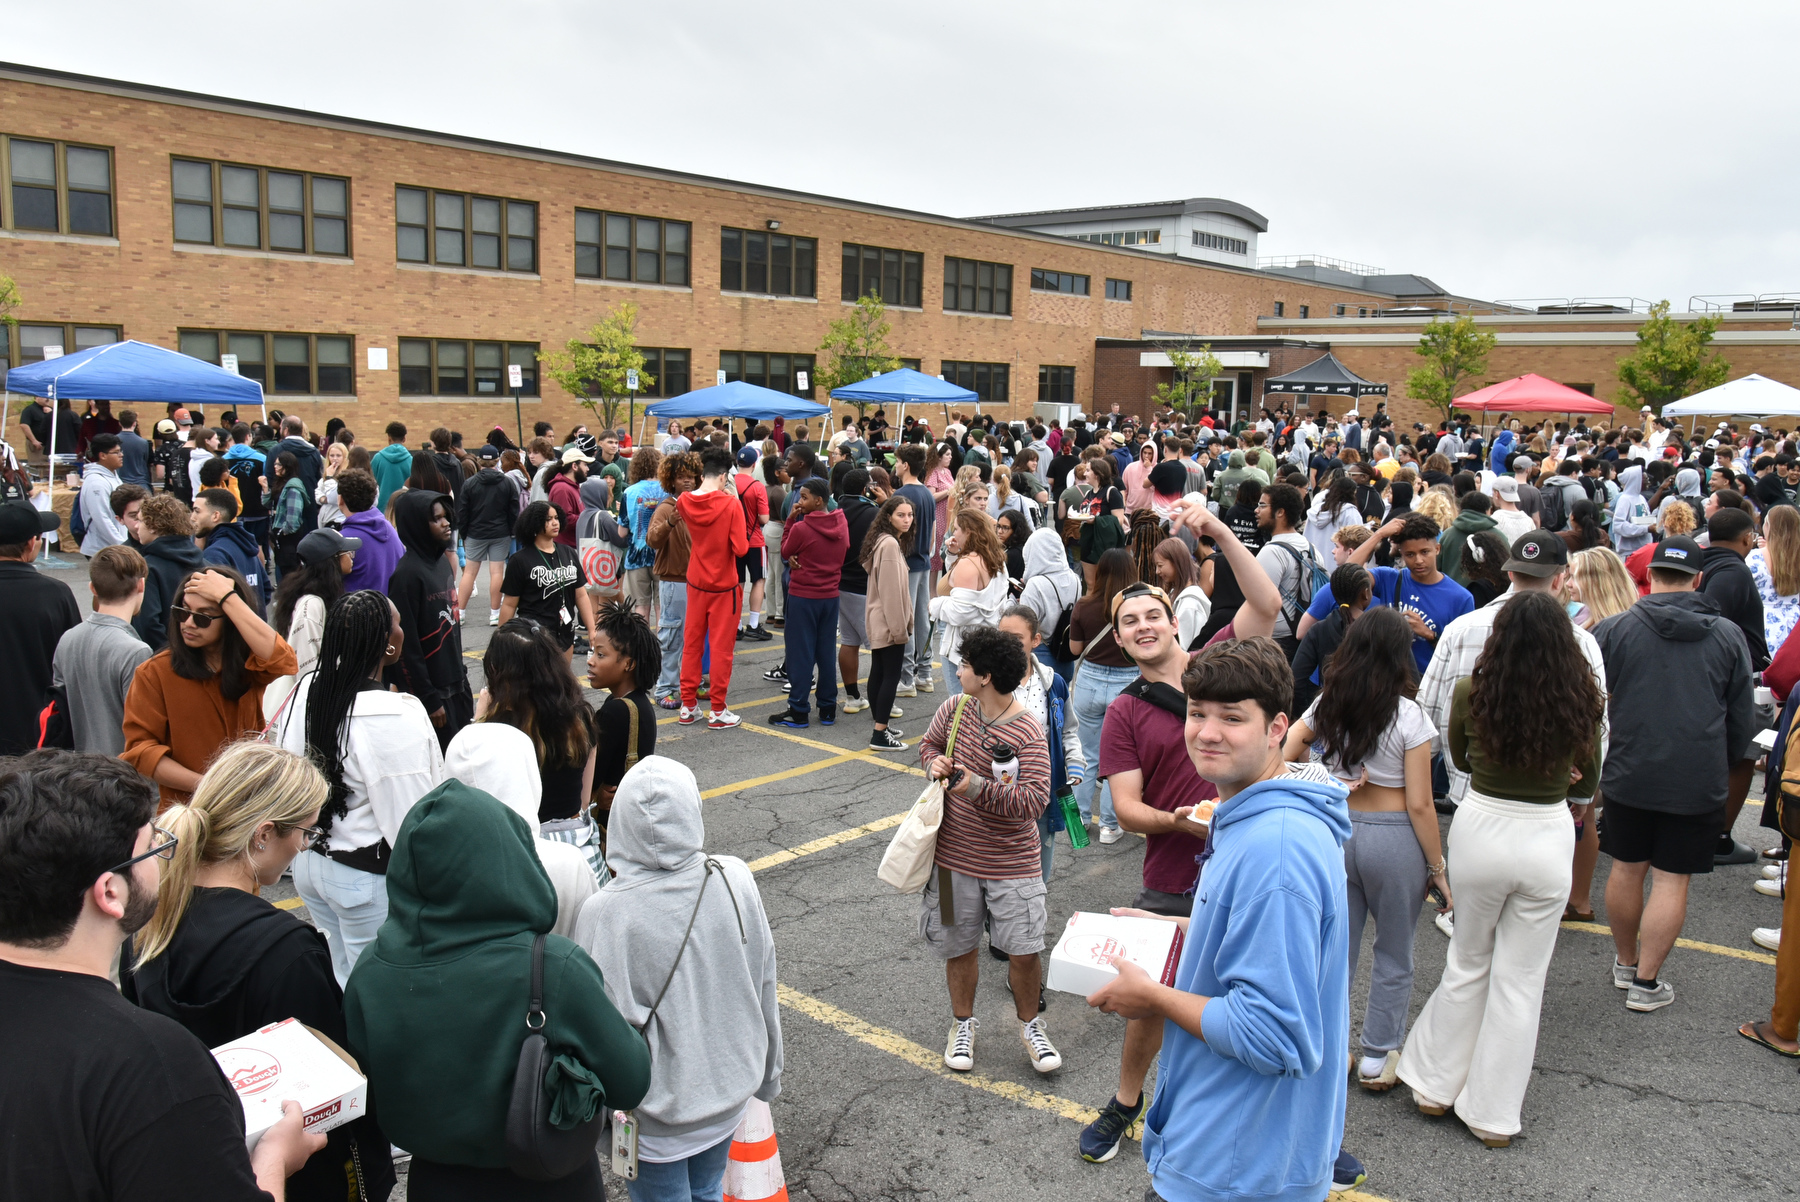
x=951, y=920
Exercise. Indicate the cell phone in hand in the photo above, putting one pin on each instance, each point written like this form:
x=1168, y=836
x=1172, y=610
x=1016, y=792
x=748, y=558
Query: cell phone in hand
x=1437, y=897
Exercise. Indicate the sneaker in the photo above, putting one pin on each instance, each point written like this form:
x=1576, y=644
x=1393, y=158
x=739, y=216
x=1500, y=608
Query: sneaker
x=705, y=689
x=1774, y=872
x=1101, y=1138
x=907, y=690
x=1384, y=1080
x=855, y=705
x=1446, y=922
x=788, y=717
x=959, y=1053
x=885, y=740
x=895, y=711
x=757, y=634
x=689, y=716
x=927, y=685
x=1645, y=1000
x=1730, y=851
x=1347, y=1173
x=1769, y=937
x=1623, y=974
x=668, y=703
x=828, y=715
x=1772, y=888
x=1111, y=834
x=493, y=617
x=778, y=674
x=1038, y=1049
x=722, y=720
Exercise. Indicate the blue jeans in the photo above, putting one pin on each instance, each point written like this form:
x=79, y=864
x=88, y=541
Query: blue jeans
x=811, y=633
x=1046, y=842
x=672, y=598
x=699, y=1178
x=1095, y=687
x=346, y=903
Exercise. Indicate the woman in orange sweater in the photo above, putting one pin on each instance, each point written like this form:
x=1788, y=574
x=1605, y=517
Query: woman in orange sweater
x=209, y=680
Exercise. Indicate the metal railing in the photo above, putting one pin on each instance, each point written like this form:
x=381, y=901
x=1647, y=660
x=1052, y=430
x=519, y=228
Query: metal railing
x=1744, y=302
x=1574, y=305
x=1318, y=261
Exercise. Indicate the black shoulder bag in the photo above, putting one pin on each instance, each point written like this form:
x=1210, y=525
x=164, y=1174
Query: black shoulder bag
x=535, y=1149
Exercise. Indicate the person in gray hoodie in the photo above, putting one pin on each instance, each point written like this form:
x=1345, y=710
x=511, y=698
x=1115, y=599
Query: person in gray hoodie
x=663, y=927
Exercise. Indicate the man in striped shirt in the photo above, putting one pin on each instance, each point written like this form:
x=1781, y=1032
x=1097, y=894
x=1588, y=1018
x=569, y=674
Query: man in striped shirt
x=988, y=865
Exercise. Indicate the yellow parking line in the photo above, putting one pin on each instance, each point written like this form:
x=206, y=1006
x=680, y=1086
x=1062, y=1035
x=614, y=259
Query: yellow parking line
x=289, y=903
x=1717, y=949
x=867, y=757
x=828, y=842
x=788, y=774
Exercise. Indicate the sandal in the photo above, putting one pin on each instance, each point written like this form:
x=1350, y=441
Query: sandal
x=1571, y=914
x=1753, y=1032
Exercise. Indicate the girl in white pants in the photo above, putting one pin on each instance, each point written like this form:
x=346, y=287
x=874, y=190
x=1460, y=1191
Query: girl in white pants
x=1523, y=726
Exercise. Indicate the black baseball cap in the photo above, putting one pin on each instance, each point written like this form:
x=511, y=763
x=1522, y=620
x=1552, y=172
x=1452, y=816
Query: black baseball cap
x=1539, y=553
x=20, y=522
x=1678, y=554
x=323, y=544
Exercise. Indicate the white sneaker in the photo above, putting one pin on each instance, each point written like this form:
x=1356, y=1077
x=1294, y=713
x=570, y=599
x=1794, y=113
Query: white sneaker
x=688, y=715
x=1774, y=872
x=855, y=705
x=722, y=720
x=927, y=685
x=1038, y=1049
x=1769, y=937
x=895, y=711
x=907, y=690
x=959, y=1053
x=1111, y=834
x=1446, y=923
x=1772, y=888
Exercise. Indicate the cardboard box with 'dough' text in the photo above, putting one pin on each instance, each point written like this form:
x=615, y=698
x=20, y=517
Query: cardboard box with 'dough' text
x=288, y=1060
x=1077, y=964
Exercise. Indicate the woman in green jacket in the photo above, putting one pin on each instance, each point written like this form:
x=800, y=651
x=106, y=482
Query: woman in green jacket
x=435, y=1009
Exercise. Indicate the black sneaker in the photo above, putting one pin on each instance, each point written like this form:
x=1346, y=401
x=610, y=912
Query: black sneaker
x=828, y=715
x=756, y=634
x=1101, y=1138
x=788, y=717
x=1347, y=1173
x=778, y=674
x=885, y=740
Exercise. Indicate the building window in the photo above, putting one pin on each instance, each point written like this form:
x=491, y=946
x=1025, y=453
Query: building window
x=1362, y=311
x=453, y=367
x=1587, y=388
x=668, y=367
x=913, y=364
x=615, y=246
x=1280, y=309
x=771, y=264
x=1056, y=384
x=1305, y=312
x=780, y=372
x=57, y=188
x=1236, y=246
x=1124, y=238
x=1119, y=290
x=895, y=276
x=453, y=229
x=30, y=338
x=305, y=364
x=1339, y=310
x=257, y=208
x=986, y=380
x=1058, y=281
x=974, y=287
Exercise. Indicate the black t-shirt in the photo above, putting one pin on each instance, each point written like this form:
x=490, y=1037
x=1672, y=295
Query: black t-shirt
x=613, y=720
x=545, y=584
x=110, y=1101
x=36, y=418
x=560, y=796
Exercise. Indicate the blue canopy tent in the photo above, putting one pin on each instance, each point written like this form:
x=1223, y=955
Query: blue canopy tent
x=738, y=399
x=903, y=386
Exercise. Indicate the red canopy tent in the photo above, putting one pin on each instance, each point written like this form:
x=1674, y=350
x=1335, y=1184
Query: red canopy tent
x=1531, y=393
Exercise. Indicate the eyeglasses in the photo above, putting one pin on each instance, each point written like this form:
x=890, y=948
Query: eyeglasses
x=166, y=850
x=201, y=621
x=312, y=833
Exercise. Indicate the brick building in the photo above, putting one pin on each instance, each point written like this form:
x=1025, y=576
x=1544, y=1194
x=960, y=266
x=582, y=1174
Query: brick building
x=367, y=271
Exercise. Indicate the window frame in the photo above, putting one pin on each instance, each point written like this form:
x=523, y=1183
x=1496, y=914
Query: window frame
x=269, y=364
x=912, y=285
x=503, y=235
x=993, y=286
x=60, y=152
x=1207, y=240
x=434, y=367
x=12, y=342
x=795, y=358
x=951, y=369
x=264, y=244
x=768, y=264
x=632, y=251
x=656, y=363
x=1114, y=286
x=1305, y=312
x=1056, y=384
x=1281, y=308
x=1046, y=279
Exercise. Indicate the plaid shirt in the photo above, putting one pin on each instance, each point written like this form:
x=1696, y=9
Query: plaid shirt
x=289, y=508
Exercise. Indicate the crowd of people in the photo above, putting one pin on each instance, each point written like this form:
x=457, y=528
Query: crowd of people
x=1278, y=650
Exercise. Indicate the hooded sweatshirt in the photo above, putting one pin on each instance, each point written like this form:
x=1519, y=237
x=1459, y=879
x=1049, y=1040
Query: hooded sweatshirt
x=859, y=514
x=724, y=983
x=1051, y=586
x=715, y=526
x=435, y=1009
x=1731, y=584
x=817, y=543
x=500, y=761
x=1450, y=546
x=169, y=558
x=488, y=505
x=1503, y=445
x=232, y=546
x=379, y=554
x=1237, y=470
x=1674, y=655
x=1255, y=1111
x=423, y=589
x=668, y=536
x=391, y=466
x=1631, y=513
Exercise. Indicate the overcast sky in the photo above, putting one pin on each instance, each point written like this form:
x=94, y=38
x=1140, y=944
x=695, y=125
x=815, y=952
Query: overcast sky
x=1505, y=150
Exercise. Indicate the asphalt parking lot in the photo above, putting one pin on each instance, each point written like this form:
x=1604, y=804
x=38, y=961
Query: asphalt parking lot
x=1670, y=1105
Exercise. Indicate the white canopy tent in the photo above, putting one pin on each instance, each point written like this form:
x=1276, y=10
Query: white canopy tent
x=1749, y=396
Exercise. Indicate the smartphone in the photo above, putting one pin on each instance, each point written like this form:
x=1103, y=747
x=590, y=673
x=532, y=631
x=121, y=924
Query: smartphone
x=1437, y=897
x=625, y=1145
x=956, y=779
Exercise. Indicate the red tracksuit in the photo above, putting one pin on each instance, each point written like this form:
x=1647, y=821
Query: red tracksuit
x=715, y=600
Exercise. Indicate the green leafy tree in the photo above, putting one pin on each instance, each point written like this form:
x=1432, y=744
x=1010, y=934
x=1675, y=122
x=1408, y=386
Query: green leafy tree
x=1191, y=388
x=595, y=371
x=1456, y=352
x=855, y=348
x=9, y=301
x=1671, y=360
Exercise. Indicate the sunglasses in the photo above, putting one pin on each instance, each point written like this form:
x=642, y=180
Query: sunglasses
x=165, y=849
x=201, y=621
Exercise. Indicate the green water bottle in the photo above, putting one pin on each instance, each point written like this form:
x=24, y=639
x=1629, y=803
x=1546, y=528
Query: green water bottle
x=1071, y=812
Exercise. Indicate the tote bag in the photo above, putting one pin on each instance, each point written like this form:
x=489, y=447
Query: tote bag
x=906, y=865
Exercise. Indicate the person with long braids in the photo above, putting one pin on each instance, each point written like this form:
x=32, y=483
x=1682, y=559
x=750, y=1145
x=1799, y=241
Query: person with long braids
x=379, y=754
x=1368, y=731
x=1528, y=731
x=222, y=961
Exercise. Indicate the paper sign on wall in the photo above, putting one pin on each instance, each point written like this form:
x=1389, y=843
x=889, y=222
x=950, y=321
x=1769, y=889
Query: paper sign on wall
x=378, y=358
x=515, y=376
x=54, y=351
x=800, y=378
x=229, y=363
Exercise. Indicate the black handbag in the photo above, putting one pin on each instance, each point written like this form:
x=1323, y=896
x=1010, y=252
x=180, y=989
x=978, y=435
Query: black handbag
x=535, y=1149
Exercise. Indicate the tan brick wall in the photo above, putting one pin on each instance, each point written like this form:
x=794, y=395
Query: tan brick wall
x=152, y=289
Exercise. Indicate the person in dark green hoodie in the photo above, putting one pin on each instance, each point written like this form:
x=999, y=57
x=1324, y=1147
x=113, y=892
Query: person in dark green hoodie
x=1472, y=519
x=435, y=1009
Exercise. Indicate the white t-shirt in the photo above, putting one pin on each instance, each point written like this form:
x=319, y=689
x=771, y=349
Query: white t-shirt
x=1386, y=765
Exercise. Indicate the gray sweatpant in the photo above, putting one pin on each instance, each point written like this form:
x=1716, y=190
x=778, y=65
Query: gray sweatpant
x=917, y=661
x=1387, y=878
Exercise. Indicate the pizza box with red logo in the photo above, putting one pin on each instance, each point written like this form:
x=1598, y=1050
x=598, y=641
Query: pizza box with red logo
x=1076, y=964
x=288, y=1060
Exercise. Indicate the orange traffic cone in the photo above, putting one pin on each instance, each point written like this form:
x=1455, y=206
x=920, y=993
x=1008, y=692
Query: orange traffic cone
x=753, y=1174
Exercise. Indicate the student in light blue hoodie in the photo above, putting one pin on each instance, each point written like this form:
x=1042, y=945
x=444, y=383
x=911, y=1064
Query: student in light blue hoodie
x=1250, y=1087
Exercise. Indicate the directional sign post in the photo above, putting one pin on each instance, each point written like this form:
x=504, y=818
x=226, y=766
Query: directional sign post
x=515, y=379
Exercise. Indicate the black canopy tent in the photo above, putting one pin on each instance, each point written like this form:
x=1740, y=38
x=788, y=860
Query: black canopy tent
x=1323, y=377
